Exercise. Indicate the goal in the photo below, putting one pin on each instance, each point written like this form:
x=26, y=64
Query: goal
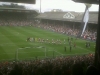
x=34, y=52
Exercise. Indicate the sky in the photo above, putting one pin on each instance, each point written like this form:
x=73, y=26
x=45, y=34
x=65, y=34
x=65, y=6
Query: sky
x=65, y=5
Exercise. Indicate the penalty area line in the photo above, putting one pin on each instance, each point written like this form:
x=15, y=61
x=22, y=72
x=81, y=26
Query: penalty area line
x=79, y=53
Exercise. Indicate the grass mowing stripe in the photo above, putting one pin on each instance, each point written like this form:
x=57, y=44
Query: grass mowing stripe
x=5, y=40
x=19, y=39
x=3, y=51
x=25, y=30
x=7, y=48
x=17, y=36
x=13, y=34
x=39, y=34
x=80, y=47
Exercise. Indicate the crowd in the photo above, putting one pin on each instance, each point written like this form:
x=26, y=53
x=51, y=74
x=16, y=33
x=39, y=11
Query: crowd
x=70, y=65
x=23, y=20
x=90, y=35
x=69, y=30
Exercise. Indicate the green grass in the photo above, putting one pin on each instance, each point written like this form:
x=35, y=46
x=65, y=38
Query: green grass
x=13, y=38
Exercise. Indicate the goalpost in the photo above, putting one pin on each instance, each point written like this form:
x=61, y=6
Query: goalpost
x=45, y=52
x=17, y=51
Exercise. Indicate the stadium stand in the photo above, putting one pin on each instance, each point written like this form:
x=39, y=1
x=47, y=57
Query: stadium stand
x=75, y=65
x=57, y=66
x=69, y=16
x=15, y=17
x=97, y=51
x=69, y=23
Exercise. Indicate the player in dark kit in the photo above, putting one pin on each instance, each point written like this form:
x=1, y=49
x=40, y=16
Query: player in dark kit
x=65, y=48
x=70, y=48
x=28, y=39
x=89, y=44
x=68, y=39
x=71, y=39
x=86, y=44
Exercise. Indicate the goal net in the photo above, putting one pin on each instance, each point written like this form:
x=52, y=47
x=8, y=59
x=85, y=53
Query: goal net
x=28, y=53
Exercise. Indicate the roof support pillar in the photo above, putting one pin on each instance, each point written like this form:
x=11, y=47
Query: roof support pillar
x=97, y=51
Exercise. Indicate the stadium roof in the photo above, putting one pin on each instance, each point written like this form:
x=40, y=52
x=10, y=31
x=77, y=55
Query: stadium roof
x=88, y=1
x=18, y=10
x=68, y=16
x=20, y=1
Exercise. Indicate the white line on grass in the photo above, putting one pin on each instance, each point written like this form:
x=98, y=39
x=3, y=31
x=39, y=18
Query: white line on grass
x=84, y=49
x=75, y=53
x=44, y=56
x=23, y=52
x=81, y=48
x=78, y=53
x=47, y=50
x=7, y=59
x=11, y=44
x=58, y=52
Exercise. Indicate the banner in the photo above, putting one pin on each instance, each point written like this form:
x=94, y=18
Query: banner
x=85, y=19
x=84, y=22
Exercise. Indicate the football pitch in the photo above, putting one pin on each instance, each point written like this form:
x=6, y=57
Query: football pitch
x=13, y=44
